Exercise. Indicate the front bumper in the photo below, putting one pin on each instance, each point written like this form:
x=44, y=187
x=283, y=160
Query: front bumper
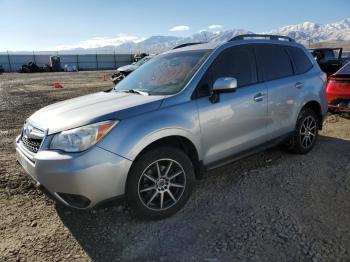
x=92, y=176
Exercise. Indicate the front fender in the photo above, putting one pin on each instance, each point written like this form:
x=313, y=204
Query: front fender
x=159, y=134
x=134, y=134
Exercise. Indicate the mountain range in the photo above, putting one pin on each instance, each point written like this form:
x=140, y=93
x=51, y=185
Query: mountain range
x=157, y=44
x=305, y=33
x=312, y=32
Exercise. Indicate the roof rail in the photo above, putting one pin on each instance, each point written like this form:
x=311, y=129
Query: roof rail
x=271, y=37
x=187, y=44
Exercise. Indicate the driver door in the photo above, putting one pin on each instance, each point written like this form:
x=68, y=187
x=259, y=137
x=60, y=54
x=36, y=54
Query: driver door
x=238, y=121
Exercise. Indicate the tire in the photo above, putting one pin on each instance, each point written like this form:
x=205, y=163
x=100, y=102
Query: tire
x=145, y=188
x=306, y=132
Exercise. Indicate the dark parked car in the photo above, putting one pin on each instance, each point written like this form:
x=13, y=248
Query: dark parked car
x=329, y=59
x=346, y=56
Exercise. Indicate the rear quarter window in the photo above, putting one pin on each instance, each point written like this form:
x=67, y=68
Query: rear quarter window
x=301, y=62
x=273, y=61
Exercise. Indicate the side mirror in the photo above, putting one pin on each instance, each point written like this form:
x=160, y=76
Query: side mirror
x=225, y=84
x=222, y=85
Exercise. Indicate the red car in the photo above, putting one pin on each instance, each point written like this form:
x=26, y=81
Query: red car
x=338, y=90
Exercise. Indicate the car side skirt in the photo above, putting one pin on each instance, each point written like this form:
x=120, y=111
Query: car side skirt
x=238, y=156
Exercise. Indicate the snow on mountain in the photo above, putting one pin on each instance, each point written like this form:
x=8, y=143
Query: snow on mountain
x=157, y=44
x=314, y=32
x=342, y=24
x=228, y=34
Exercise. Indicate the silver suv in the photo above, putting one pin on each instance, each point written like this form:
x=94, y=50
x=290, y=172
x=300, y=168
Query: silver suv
x=186, y=111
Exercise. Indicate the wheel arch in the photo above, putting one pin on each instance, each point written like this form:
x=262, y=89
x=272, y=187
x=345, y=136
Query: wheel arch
x=178, y=141
x=316, y=107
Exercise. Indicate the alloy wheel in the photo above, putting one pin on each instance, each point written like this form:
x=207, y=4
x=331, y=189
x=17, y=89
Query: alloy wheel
x=161, y=184
x=308, y=131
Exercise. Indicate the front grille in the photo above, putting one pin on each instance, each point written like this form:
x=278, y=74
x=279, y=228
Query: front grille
x=31, y=137
x=31, y=144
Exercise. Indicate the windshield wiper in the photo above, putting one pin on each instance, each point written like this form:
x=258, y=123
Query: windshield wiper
x=135, y=91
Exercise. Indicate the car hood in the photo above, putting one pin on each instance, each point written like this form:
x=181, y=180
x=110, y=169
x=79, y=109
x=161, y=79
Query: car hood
x=93, y=108
x=127, y=68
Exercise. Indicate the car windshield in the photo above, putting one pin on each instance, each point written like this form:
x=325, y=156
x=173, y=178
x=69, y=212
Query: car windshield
x=164, y=74
x=345, y=70
x=346, y=54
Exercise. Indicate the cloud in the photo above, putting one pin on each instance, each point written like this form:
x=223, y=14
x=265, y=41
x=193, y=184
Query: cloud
x=215, y=26
x=102, y=41
x=180, y=28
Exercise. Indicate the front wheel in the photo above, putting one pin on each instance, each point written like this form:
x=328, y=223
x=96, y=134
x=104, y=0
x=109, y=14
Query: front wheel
x=160, y=182
x=306, y=132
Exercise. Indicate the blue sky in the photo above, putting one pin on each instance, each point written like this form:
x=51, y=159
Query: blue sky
x=52, y=24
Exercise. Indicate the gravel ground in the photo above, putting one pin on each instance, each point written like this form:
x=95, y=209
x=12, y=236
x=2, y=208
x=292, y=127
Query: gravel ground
x=272, y=206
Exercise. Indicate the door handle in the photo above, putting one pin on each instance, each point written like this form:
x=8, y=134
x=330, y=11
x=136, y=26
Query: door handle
x=258, y=97
x=299, y=85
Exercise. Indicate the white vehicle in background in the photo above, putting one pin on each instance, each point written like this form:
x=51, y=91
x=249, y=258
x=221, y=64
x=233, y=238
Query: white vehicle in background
x=123, y=71
x=70, y=68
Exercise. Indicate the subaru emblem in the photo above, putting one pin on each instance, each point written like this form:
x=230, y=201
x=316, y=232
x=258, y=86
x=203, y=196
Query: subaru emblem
x=27, y=131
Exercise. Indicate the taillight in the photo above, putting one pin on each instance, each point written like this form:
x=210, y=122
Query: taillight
x=331, y=80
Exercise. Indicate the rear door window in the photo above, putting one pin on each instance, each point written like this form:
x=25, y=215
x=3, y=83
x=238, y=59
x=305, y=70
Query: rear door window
x=302, y=63
x=273, y=61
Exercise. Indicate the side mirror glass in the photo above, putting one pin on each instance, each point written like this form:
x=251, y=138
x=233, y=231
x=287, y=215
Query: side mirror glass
x=225, y=84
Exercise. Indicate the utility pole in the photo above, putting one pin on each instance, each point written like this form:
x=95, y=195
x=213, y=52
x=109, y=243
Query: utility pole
x=115, y=61
x=78, y=61
x=96, y=61
x=8, y=59
x=34, y=57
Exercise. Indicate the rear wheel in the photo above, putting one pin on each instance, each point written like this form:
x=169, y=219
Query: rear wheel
x=306, y=132
x=160, y=182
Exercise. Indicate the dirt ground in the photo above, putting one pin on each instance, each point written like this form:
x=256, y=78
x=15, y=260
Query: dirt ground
x=272, y=206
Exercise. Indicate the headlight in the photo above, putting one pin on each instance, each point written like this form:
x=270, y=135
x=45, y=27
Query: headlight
x=81, y=138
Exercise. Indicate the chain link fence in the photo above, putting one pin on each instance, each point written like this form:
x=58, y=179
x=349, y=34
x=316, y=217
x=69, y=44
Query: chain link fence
x=106, y=59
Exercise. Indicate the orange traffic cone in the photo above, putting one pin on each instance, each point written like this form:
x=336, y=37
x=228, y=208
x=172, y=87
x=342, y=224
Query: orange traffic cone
x=104, y=78
x=57, y=85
